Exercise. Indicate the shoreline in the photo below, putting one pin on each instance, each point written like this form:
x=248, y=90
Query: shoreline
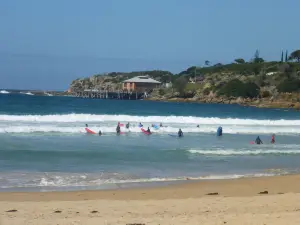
x=239, y=187
x=265, y=200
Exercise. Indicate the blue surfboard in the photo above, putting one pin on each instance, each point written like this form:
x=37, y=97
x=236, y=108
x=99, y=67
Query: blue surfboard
x=156, y=127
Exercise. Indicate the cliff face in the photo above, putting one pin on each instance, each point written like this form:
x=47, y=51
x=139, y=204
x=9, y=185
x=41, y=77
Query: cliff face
x=95, y=82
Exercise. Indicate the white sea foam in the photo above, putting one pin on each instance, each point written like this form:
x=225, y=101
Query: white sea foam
x=11, y=180
x=4, y=92
x=75, y=128
x=148, y=119
x=74, y=123
x=26, y=93
x=245, y=152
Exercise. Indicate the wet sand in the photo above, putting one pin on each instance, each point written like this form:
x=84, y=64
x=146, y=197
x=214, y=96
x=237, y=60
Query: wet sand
x=265, y=200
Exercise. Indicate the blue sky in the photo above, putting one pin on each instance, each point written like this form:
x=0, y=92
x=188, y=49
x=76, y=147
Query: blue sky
x=47, y=44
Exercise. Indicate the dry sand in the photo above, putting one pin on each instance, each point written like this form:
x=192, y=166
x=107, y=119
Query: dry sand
x=238, y=202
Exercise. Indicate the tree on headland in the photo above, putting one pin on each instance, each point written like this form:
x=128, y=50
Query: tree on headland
x=180, y=84
x=239, y=60
x=218, y=64
x=281, y=56
x=295, y=55
x=257, y=58
x=286, y=56
x=207, y=63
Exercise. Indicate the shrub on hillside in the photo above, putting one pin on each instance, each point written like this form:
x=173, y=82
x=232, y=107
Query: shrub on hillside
x=236, y=88
x=179, y=84
x=265, y=94
x=206, y=91
x=289, y=86
x=161, y=92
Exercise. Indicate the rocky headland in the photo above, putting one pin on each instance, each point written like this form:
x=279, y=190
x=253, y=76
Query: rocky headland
x=254, y=83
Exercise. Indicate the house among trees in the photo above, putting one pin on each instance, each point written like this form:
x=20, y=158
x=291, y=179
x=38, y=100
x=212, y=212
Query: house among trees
x=140, y=84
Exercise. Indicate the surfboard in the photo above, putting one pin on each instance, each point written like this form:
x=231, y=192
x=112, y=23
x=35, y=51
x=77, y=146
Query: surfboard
x=252, y=142
x=156, y=127
x=89, y=131
x=144, y=131
x=173, y=135
x=121, y=124
x=140, y=125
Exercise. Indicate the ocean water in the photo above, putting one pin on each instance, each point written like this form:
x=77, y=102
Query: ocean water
x=44, y=146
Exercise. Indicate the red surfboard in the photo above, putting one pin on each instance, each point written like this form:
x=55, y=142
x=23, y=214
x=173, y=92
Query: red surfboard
x=145, y=132
x=89, y=131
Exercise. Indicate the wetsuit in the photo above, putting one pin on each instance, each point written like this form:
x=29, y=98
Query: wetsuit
x=127, y=125
x=258, y=141
x=148, y=130
x=100, y=133
x=273, y=139
x=219, y=131
x=118, y=129
x=180, y=133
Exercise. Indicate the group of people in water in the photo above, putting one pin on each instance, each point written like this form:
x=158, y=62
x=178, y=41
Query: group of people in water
x=258, y=141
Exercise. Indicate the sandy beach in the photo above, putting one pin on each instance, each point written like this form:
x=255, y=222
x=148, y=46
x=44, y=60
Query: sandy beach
x=265, y=200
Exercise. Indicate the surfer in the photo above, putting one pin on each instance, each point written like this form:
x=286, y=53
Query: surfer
x=198, y=126
x=160, y=125
x=148, y=130
x=86, y=125
x=273, y=139
x=118, y=129
x=100, y=133
x=127, y=125
x=140, y=124
x=219, y=131
x=180, y=133
x=258, y=141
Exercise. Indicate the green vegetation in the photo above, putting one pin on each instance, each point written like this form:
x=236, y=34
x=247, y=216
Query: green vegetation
x=295, y=56
x=289, y=85
x=236, y=88
x=252, y=79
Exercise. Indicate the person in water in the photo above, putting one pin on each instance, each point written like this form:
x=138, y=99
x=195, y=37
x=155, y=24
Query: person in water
x=180, y=133
x=258, y=141
x=273, y=139
x=160, y=125
x=148, y=130
x=198, y=126
x=100, y=133
x=118, y=129
x=140, y=125
x=220, y=131
x=127, y=125
x=86, y=125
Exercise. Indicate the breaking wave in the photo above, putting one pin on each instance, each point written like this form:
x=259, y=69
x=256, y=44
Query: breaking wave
x=52, y=180
x=245, y=152
x=148, y=119
x=4, y=92
x=74, y=123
